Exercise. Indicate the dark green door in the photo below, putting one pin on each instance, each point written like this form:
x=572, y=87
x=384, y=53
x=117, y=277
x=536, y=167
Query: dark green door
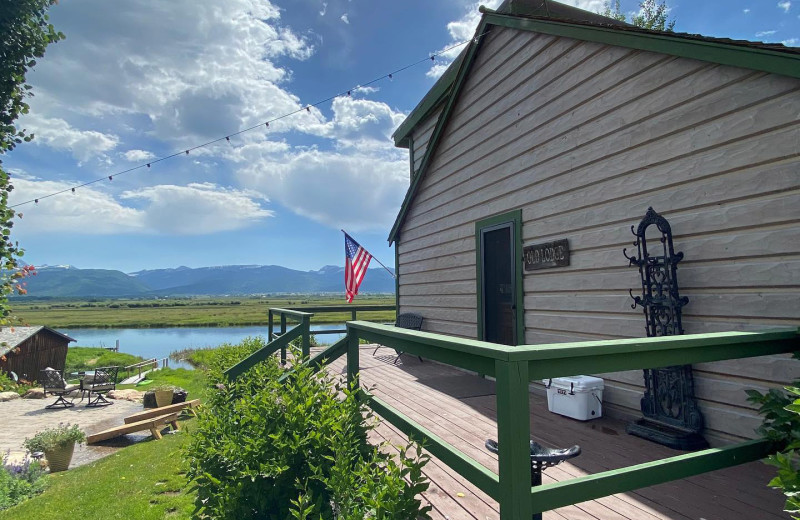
x=498, y=291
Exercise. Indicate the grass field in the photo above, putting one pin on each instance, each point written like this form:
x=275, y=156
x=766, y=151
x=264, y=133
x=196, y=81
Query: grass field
x=143, y=481
x=183, y=312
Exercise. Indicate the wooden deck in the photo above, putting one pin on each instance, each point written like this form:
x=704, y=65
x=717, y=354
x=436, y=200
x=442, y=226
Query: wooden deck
x=460, y=407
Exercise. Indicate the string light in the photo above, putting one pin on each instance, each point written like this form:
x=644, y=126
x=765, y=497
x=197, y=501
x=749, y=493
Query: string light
x=266, y=124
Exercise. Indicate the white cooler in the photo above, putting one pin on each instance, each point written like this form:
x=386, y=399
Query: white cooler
x=579, y=397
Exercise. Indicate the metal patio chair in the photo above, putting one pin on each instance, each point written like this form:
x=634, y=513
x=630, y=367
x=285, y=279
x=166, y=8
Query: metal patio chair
x=407, y=320
x=53, y=383
x=103, y=381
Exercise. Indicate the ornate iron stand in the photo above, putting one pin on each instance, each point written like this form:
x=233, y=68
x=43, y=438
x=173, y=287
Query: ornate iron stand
x=671, y=416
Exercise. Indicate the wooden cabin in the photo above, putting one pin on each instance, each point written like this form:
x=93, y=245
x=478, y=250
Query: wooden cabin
x=558, y=124
x=27, y=350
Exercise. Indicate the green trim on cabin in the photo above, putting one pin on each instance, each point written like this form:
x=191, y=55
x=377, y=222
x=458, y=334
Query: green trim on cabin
x=431, y=100
x=515, y=219
x=747, y=57
x=469, y=56
x=396, y=279
x=411, y=158
x=755, y=58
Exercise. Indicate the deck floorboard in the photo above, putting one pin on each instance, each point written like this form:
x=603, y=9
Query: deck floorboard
x=461, y=408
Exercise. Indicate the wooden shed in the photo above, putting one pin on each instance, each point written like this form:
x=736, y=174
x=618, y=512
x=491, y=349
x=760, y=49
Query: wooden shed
x=558, y=124
x=27, y=350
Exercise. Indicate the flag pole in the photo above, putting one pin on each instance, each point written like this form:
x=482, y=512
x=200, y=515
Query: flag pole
x=373, y=257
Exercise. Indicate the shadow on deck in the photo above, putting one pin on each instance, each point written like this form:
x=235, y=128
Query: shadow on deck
x=461, y=408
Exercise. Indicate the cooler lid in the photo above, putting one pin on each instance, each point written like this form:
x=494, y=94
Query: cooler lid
x=577, y=383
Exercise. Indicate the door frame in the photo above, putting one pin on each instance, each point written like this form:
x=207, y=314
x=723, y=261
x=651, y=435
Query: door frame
x=514, y=218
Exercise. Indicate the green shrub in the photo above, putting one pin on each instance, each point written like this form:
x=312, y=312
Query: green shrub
x=782, y=424
x=19, y=482
x=9, y=385
x=271, y=451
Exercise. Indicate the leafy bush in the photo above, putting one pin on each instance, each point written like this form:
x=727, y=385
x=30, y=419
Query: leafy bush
x=271, y=451
x=9, y=385
x=19, y=482
x=57, y=437
x=782, y=424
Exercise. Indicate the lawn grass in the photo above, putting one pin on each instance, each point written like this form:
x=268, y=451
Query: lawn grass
x=144, y=481
x=88, y=358
x=193, y=381
x=183, y=312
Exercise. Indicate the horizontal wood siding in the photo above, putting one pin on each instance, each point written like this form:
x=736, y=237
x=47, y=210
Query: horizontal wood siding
x=585, y=137
x=421, y=135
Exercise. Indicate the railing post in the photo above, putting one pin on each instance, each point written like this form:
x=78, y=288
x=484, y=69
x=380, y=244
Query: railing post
x=270, y=327
x=283, y=331
x=353, y=314
x=513, y=435
x=306, y=345
x=352, y=360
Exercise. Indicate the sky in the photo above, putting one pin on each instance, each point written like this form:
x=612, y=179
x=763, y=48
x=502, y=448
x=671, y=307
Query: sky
x=141, y=80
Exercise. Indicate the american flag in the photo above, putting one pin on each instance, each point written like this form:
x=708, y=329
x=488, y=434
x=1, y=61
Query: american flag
x=357, y=260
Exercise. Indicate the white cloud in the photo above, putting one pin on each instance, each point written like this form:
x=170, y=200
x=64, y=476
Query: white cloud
x=163, y=209
x=189, y=69
x=358, y=191
x=138, y=155
x=345, y=19
x=198, y=209
x=90, y=210
x=761, y=34
x=60, y=135
x=746, y=11
x=324, y=9
x=460, y=30
x=791, y=42
x=360, y=123
x=785, y=5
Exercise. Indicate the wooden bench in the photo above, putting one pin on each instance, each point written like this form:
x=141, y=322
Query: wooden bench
x=153, y=424
x=155, y=412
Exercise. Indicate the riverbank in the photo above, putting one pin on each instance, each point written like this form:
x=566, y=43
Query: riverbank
x=182, y=312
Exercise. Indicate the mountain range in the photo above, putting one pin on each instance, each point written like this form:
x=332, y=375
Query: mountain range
x=66, y=281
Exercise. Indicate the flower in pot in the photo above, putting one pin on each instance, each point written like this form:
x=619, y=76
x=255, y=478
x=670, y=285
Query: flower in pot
x=57, y=444
x=163, y=395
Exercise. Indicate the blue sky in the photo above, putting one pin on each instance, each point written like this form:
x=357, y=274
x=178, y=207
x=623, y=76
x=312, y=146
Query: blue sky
x=142, y=79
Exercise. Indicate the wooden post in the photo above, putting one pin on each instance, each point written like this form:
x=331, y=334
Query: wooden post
x=306, y=345
x=513, y=435
x=270, y=327
x=283, y=331
x=352, y=360
x=353, y=314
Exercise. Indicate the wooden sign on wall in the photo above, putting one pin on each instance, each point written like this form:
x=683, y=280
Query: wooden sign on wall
x=547, y=255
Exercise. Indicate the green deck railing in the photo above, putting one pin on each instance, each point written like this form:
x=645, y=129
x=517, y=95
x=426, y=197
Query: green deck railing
x=515, y=367
x=279, y=341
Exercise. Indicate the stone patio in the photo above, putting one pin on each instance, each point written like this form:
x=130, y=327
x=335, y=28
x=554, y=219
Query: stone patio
x=22, y=418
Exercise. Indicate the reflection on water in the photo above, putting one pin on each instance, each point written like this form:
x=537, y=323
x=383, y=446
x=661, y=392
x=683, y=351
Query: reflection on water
x=158, y=343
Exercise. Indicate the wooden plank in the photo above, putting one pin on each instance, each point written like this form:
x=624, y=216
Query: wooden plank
x=157, y=412
x=147, y=424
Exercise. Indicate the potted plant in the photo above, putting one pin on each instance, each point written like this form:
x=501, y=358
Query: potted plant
x=57, y=443
x=163, y=395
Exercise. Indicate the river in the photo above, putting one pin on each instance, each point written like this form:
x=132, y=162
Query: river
x=158, y=343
